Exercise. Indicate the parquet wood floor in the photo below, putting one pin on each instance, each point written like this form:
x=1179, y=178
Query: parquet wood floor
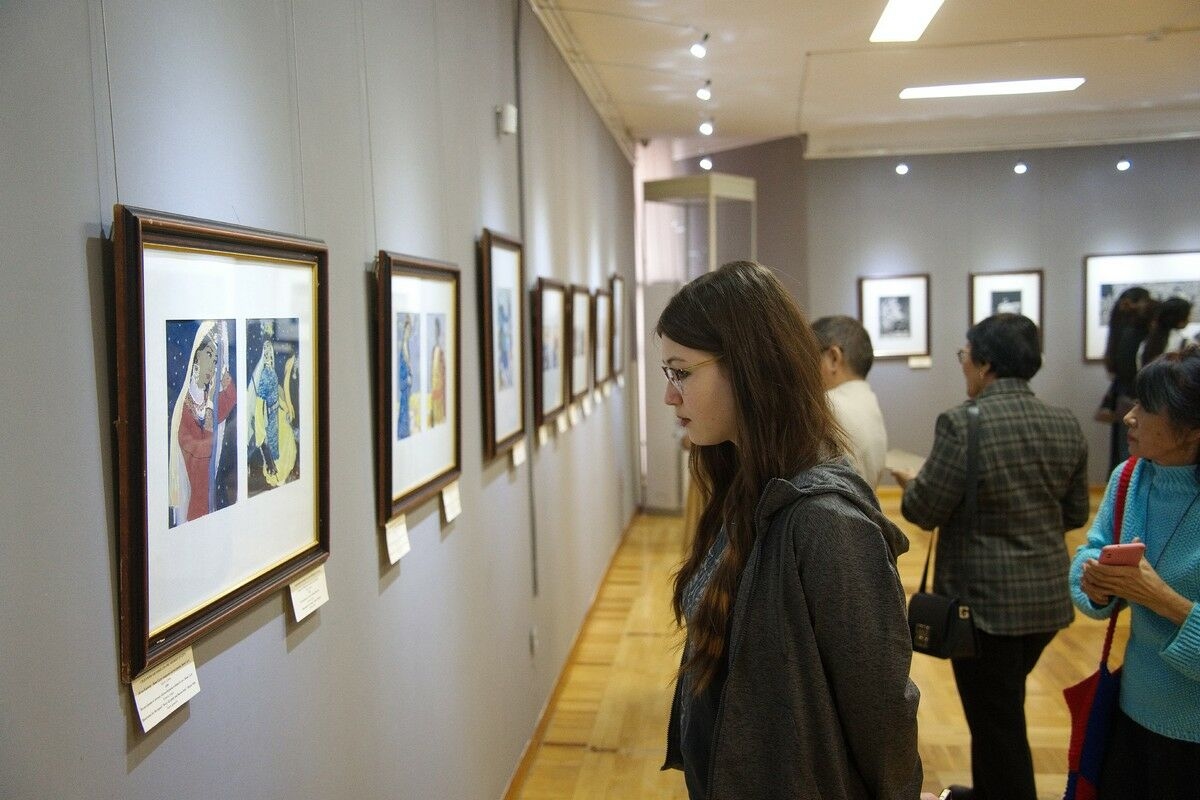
x=603, y=733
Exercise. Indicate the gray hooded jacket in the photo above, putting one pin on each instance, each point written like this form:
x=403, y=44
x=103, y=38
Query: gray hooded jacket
x=817, y=702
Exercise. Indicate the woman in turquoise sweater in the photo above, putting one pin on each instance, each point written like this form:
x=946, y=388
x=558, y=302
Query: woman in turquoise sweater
x=1154, y=749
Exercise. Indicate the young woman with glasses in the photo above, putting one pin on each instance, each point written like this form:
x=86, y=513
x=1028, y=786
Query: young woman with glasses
x=794, y=678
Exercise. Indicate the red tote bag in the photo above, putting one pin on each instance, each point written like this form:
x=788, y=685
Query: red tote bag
x=1093, y=700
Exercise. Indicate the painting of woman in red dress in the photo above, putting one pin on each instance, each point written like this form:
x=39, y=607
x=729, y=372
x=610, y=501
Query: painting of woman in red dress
x=203, y=473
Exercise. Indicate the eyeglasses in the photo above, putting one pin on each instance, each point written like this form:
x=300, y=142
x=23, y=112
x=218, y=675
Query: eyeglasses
x=677, y=375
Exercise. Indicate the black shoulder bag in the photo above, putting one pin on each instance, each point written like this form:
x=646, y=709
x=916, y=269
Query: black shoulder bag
x=942, y=626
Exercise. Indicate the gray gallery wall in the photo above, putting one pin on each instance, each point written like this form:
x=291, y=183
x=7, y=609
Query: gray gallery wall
x=779, y=169
x=824, y=223
x=952, y=215
x=370, y=125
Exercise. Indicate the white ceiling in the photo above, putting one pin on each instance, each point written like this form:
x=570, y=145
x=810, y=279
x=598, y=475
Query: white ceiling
x=790, y=67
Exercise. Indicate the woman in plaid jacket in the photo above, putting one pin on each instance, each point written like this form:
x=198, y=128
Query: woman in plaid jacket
x=1010, y=563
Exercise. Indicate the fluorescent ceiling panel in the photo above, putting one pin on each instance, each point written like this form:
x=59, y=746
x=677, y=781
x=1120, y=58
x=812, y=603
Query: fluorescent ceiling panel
x=1040, y=86
x=904, y=20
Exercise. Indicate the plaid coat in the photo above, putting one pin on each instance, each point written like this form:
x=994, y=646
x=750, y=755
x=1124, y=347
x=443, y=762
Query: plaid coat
x=1012, y=567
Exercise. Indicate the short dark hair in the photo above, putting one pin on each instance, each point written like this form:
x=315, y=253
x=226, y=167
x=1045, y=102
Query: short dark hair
x=1008, y=343
x=1170, y=385
x=848, y=334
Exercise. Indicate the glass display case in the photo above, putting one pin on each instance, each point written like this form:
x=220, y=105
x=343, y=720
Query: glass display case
x=691, y=225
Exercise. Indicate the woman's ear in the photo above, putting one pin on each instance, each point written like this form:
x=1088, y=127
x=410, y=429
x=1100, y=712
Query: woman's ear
x=836, y=357
x=1192, y=440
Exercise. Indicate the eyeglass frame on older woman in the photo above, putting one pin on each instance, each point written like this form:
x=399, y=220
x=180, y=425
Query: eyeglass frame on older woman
x=677, y=375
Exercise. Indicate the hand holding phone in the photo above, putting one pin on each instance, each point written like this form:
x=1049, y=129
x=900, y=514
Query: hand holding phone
x=1122, y=555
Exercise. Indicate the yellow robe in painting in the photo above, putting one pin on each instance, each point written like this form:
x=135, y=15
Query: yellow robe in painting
x=287, y=439
x=437, y=390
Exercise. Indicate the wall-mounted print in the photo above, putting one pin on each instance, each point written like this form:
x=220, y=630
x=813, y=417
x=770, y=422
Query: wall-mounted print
x=616, y=287
x=602, y=336
x=581, y=341
x=273, y=393
x=1017, y=292
x=1164, y=275
x=202, y=387
x=418, y=425
x=550, y=341
x=895, y=312
x=222, y=451
x=502, y=282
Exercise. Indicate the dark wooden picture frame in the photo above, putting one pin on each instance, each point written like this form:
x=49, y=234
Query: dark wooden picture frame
x=502, y=316
x=580, y=347
x=616, y=347
x=206, y=446
x=601, y=337
x=1163, y=274
x=1013, y=291
x=895, y=311
x=551, y=308
x=418, y=380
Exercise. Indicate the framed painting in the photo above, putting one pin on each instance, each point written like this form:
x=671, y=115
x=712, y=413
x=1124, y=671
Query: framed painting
x=550, y=341
x=581, y=342
x=222, y=423
x=602, y=336
x=616, y=287
x=417, y=381
x=1017, y=292
x=1164, y=275
x=502, y=288
x=895, y=312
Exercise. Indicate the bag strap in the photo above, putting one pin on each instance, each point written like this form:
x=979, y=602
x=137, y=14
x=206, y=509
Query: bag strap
x=1118, y=520
x=972, y=464
x=972, y=488
x=925, y=570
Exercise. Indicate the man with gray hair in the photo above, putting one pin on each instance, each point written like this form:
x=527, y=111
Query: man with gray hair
x=846, y=358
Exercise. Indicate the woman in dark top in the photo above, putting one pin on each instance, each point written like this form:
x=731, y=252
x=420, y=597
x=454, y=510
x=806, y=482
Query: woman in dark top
x=1128, y=325
x=1008, y=562
x=794, y=678
x=1171, y=316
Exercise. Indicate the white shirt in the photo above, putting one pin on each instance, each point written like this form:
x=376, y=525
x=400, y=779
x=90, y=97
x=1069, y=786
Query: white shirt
x=857, y=411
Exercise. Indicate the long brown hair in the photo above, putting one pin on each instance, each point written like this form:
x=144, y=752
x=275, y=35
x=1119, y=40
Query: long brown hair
x=743, y=314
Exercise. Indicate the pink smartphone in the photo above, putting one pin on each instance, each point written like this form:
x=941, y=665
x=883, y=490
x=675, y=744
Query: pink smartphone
x=1122, y=555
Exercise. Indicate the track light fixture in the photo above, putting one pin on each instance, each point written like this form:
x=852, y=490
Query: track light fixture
x=706, y=127
x=700, y=48
x=1123, y=165
x=705, y=91
x=902, y=168
x=706, y=163
x=1020, y=168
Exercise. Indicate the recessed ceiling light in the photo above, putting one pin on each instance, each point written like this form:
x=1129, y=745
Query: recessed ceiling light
x=706, y=163
x=700, y=48
x=706, y=127
x=1123, y=165
x=904, y=20
x=705, y=91
x=902, y=168
x=1020, y=168
x=992, y=88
